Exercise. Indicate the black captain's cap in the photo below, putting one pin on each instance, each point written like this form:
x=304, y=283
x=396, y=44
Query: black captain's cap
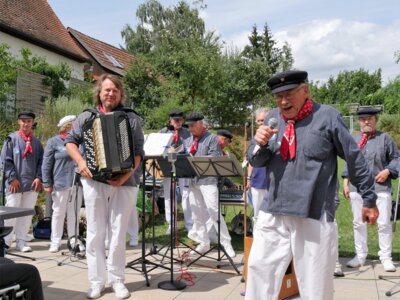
x=286, y=80
x=194, y=117
x=176, y=113
x=368, y=111
x=26, y=115
x=225, y=133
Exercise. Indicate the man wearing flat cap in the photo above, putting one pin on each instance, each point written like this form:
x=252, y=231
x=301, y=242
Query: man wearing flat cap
x=23, y=154
x=203, y=191
x=180, y=133
x=58, y=170
x=382, y=157
x=296, y=220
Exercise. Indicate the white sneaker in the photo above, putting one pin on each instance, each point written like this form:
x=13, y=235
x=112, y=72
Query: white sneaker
x=133, y=243
x=94, y=291
x=193, y=236
x=200, y=249
x=54, y=248
x=229, y=250
x=338, y=270
x=388, y=265
x=21, y=246
x=120, y=290
x=355, y=262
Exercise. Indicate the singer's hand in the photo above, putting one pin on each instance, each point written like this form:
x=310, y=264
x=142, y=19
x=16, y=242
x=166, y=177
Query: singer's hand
x=264, y=134
x=15, y=185
x=37, y=185
x=48, y=190
x=84, y=170
x=370, y=215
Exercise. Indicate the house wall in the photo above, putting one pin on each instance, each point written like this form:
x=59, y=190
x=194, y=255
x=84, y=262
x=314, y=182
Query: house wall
x=51, y=57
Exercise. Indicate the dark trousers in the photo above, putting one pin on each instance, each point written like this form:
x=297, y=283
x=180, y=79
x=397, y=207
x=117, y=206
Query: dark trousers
x=27, y=276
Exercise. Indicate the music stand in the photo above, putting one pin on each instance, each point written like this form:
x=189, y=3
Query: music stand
x=388, y=278
x=219, y=166
x=177, y=165
x=156, y=145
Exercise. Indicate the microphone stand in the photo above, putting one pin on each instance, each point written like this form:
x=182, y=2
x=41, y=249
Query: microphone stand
x=172, y=285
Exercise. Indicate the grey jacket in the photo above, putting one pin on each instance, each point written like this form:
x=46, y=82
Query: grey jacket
x=306, y=186
x=58, y=168
x=381, y=153
x=25, y=170
x=208, y=146
x=75, y=136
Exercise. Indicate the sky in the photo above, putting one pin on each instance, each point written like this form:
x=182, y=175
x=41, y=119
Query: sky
x=326, y=36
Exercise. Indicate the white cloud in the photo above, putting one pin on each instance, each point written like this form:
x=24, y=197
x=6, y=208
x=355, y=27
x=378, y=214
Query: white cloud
x=325, y=47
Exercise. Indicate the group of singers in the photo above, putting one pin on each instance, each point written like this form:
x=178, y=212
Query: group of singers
x=293, y=178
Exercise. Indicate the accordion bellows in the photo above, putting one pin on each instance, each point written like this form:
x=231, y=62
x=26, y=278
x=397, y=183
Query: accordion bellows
x=108, y=145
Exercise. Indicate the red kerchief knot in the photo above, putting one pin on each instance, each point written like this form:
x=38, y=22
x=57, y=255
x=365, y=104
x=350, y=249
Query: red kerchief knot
x=28, y=140
x=175, y=137
x=193, y=148
x=288, y=143
x=365, y=136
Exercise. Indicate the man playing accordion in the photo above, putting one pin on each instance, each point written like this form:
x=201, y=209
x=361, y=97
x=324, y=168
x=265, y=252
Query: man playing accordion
x=109, y=202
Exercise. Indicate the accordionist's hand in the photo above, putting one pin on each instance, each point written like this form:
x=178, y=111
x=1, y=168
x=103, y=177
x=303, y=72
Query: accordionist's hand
x=84, y=170
x=120, y=179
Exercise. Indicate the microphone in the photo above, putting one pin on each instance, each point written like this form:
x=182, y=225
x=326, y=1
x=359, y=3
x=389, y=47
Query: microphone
x=272, y=123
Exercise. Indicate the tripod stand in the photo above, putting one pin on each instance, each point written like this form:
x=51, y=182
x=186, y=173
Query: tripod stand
x=76, y=243
x=3, y=202
x=222, y=166
x=143, y=261
x=388, y=278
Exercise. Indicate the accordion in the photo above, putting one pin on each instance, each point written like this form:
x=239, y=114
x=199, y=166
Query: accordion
x=108, y=145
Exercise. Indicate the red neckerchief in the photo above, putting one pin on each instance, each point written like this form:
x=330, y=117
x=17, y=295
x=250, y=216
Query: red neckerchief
x=365, y=136
x=288, y=143
x=63, y=135
x=175, y=137
x=193, y=148
x=28, y=140
x=101, y=108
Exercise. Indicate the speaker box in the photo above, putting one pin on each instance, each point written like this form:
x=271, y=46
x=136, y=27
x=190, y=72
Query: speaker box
x=289, y=282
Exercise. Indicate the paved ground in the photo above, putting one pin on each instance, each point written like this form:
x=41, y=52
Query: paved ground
x=69, y=281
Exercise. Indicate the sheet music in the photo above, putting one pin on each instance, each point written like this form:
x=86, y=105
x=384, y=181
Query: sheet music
x=157, y=144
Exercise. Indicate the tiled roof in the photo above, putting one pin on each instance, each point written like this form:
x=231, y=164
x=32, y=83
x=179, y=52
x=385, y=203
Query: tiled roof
x=36, y=22
x=108, y=56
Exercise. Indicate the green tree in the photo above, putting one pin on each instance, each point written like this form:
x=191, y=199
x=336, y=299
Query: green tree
x=182, y=55
x=349, y=87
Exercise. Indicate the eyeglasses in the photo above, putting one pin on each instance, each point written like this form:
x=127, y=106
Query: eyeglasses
x=288, y=95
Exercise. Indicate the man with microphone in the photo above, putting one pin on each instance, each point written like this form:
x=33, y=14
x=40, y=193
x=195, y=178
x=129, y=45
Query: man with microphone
x=296, y=220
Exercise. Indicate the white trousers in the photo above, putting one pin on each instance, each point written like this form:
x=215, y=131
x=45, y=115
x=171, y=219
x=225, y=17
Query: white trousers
x=204, y=204
x=68, y=202
x=277, y=239
x=257, y=197
x=107, y=207
x=133, y=224
x=384, y=204
x=21, y=225
x=187, y=212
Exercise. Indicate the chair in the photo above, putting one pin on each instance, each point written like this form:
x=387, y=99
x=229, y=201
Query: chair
x=4, y=231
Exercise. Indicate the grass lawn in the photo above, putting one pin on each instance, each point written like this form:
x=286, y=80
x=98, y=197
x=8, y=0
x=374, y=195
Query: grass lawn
x=344, y=218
